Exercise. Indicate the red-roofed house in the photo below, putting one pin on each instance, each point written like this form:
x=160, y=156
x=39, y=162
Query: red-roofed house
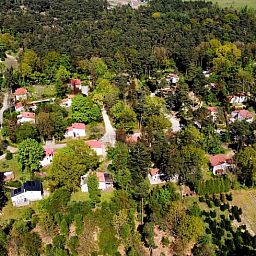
x=26, y=117
x=155, y=177
x=21, y=94
x=241, y=115
x=220, y=163
x=214, y=112
x=96, y=145
x=104, y=179
x=19, y=107
x=75, y=130
x=48, y=156
x=75, y=84
x=67, y=103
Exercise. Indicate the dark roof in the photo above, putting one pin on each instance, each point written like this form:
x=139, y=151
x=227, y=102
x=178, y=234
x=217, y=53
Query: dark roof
x=108, y=177
x=32, y=185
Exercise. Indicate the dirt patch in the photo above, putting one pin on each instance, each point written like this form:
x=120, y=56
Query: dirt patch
x=46, y=238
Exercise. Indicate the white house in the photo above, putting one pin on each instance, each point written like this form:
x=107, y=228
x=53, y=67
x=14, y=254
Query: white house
x=21, y=94
x=8, y=176
x=67, y=103
x=237, y=99
x=214, y=113
x=48, y=156
x=96, y=145
x=104, y=179
x=207, y=73
x=174, y=78
x=75, y=130
x=220, y=163
x=155, y=177
x=241, y=115
x=26, y=117
x=19, y=107
x=29, y=192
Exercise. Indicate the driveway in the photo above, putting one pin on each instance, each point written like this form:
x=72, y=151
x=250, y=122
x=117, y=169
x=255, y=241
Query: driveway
x=174, y=120
x=5, y=106
x=110, y=132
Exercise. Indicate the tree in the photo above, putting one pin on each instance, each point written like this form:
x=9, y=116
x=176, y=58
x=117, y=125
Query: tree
x=85, y=110
x=26, y=131
x=3, y=198
x=71, y=162
x=29, y=154
x=148, y=232
x=93, y=189
x=45, y=125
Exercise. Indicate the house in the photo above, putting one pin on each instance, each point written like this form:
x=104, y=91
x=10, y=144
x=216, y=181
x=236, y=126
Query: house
x=29, y=192
x=220, y=163
x=8, y=176
x=75, y=85
x=174, y=78
x=48, y=156
x=105, y=181
x=21, y=94
x=155, y=177
x=67, y=103
x=19, y=107
x=207, y=73
x=133, y=137
x=26, y=117
x=241, y=115
x=214, y=113
x=75, y=130
x=237, y=99
x=97, y=146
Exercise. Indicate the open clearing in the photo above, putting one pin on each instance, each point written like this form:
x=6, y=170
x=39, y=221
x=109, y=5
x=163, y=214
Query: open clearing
x=236, y=3
x=246, y=199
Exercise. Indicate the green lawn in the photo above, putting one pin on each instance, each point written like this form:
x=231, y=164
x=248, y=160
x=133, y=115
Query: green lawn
x=11, y=166
x=82, y=196
x=236, y=3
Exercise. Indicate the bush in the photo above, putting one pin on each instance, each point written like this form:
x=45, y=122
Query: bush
x=217, y=202
x=209, y=203
x=165, y=241
x=201, y=199
x=229, y=197
x=9, y=155
x=213, y=214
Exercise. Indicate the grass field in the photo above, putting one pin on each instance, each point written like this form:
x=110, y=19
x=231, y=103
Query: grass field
x=246, y=199
x=236, y=3
x=82, y=196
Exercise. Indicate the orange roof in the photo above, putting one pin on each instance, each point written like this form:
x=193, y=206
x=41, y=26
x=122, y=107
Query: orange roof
x=18, y=105
x=79, y=126
x=20, y=91
x=28, y=114
x=245, y=113
x=213, y=109
x=218, y=159
x=100, y=176
x=94, y=143
x=154, y=171
x=49, y=151
x=75, y=82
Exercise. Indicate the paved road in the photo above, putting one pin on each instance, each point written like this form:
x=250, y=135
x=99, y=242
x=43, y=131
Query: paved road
x=5, y=106
x=110, y=132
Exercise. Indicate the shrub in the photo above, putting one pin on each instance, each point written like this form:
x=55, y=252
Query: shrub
x=201, y=199
x=229, y=197
x=213, y=214
x=209, y=203
x=216, y=202
x=165, y=241
x=8, y=155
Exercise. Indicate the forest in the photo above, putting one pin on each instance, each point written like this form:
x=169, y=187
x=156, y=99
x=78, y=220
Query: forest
x=177, y=81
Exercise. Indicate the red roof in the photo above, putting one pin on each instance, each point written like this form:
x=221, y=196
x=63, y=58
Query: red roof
x=100, y=176
x=49, y=151
x=79, y=126
x=28, y=114
x=18, y=105
x=94, y=144
x=75, y=82
x=218, y=159
x=154, y=171
x=173, y=75
x=213, y=109
x=21, y=91
x=245, y=113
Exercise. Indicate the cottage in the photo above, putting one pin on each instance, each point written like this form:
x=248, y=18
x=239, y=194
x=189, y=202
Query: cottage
x=133, y=137
x=75, y=85
x=19, y=107
x=48, y=156
x=29, y=192
x=21, y=94
x=214, y=113
x=220, y=163
x=105, y=181
x=237, y=99
x=26, y=117
x=155, y=177
x=174, y=78
x=97, y=146
x=75, y=130
x=241, y=115
x=67, y=103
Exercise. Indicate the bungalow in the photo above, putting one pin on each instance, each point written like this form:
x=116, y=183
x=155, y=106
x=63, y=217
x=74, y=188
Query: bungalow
x=241, y=115
x=220, y=163
x=237, y=99
x=155, y=177
x=48, y=156
x=75, y=85
x=75, y=130
x=26, y=117
x=104, y=179
x=66, y=103
x=29, y=192
x=21, y=94
x=19, y=107
x=174, y=78
x=97, y=146
x=214, y=113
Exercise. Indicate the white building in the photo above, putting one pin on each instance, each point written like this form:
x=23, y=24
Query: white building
x=214, y=113
x=104, y=179
x=48, y=156
x=8, y=176
x=174, y=78
x=29, y=192
x=237, y=99
x=97, y=146
x=19, y=107
x=220, y=164
x=26, y=117
x=75, y=130
x=241, y=115
x=155, y=177
x=21, y=94
x=67, y=103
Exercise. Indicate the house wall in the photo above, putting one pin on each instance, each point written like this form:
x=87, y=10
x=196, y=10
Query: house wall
x=78, y=133
x=26, y=119
x=26, y=197
x=223, y=166
x=46, y=161
x=21, y=97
